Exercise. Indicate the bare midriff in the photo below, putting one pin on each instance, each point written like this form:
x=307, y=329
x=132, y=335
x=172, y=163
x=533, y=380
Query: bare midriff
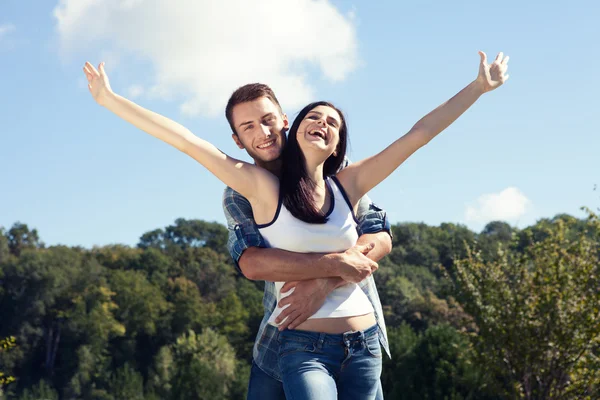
x=338, y=325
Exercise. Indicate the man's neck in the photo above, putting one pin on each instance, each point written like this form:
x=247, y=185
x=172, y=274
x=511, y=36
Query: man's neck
x=273, y=167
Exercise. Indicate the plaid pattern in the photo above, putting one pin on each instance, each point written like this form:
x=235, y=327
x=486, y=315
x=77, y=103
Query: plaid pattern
x=243, y=233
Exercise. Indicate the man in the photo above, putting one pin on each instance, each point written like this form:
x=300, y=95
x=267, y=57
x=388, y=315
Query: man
x=259, y=127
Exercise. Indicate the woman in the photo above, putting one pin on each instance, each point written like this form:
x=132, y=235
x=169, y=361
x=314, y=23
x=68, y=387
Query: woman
x=335, y=352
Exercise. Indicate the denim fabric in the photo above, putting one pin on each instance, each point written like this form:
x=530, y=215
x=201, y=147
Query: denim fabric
x=320, y=366
x=262, y=386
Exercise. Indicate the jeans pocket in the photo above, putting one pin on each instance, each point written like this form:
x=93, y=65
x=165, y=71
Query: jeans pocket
x=373, y=347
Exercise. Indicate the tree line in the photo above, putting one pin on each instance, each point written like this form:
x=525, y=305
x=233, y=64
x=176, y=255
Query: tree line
x=501, y=314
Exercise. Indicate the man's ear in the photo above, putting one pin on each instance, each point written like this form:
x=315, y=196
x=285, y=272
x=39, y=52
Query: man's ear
x=286, y=121
x=237, y=141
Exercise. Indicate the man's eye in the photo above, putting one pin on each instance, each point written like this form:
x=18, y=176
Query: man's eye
x=248, y=127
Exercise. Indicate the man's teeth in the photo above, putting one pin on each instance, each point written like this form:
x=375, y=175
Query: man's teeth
x=265, y=145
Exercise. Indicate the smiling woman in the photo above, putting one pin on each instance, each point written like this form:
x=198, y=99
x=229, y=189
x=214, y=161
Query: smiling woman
x=308, y=158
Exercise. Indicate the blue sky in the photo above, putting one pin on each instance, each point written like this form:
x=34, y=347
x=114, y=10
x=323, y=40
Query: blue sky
x=83, y=177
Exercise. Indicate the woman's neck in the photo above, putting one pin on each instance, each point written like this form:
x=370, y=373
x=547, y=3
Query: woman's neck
x=314, y=170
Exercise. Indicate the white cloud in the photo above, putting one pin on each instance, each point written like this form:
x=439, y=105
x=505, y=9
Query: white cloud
x=202, y=50
x=135, y=91
x=5, y=29
x=508, y=205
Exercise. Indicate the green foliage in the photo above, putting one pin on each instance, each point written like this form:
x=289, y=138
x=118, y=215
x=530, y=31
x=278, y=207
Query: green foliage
x=21, y=238
x=538, y=310
x=40, y=391
x=204, y=366
x=126, y=384
x=185, y=234
x=4, y=249
x=120, y=322
x=5, y=345
x=140, y=305
x=438, y=364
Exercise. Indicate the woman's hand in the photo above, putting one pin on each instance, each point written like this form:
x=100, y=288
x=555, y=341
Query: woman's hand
x=97, y=82
x=492, y=76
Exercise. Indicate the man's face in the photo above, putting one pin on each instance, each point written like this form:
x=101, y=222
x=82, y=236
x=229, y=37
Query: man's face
x=260, y=128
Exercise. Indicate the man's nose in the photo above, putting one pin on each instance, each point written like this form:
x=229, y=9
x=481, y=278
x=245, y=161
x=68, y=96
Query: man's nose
x=265, y=130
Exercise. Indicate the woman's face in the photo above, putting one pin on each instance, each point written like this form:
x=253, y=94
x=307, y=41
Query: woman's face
x=320, y=131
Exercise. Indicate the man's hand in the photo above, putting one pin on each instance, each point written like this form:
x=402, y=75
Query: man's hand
x=492, y=76
x=353, y=265
x=97, y=82
x=306, y=299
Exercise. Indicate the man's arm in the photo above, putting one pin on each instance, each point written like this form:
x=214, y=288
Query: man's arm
x=382, y=241
x=276, y=265
x=257, y=262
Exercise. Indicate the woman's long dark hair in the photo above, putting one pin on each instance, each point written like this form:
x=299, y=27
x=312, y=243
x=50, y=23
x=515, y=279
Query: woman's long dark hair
x=296, y=186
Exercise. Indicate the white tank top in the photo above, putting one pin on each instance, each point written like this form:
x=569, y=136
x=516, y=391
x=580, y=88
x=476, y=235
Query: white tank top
x=338, y=234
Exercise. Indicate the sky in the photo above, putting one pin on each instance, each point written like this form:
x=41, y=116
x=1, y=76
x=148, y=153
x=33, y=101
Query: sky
x=83, y=177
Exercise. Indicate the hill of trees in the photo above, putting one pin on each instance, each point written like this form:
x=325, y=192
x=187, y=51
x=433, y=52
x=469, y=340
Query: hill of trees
x=500, y=314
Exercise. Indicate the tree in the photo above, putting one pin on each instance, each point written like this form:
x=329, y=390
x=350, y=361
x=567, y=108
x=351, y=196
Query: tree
x=187, y=233
x=20, y=238
x=38, y=291
x=204, y=367
x=437, y=364
x=6, y=345
x=209, y=270
x=126, y=384
x=4, y=249
x=537, y=309
x=141, y=305
x=190, y=310
x=42, y=390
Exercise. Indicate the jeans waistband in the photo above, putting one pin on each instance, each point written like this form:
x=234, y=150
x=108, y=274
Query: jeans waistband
x=309, y=336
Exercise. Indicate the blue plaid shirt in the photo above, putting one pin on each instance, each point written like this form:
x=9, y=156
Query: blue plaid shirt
x=243, y=233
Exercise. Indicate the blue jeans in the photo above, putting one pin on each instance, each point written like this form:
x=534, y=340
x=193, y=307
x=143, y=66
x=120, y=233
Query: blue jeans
x=321, y=366
x=264, y=387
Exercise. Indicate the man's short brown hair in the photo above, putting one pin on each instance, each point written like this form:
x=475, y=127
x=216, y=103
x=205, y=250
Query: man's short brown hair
x=246, y=93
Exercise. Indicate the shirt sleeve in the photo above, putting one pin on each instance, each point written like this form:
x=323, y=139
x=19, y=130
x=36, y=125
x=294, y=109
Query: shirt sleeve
x=243, y=232
x=371, y=218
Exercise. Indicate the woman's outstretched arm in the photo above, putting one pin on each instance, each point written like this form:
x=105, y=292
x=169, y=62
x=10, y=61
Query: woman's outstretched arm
x=360, y=177
x=245, y=178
